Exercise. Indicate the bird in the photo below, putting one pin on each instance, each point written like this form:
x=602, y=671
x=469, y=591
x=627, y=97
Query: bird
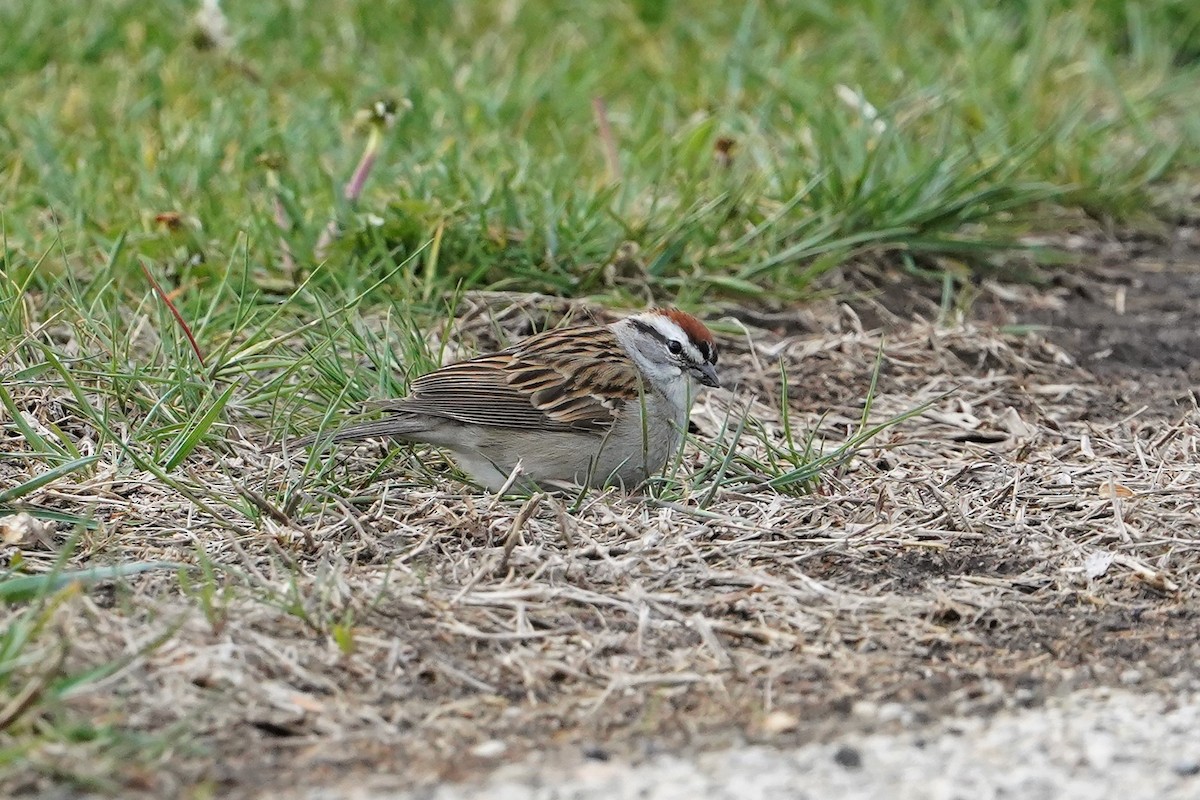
x=591, y=405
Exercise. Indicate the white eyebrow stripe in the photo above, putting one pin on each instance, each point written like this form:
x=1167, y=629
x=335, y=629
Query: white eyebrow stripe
x=668, y=328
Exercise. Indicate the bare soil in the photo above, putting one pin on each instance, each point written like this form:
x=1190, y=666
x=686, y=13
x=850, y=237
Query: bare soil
x=1035, y=531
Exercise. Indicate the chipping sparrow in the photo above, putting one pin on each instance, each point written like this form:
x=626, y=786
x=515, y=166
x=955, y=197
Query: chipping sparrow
x=591, y=405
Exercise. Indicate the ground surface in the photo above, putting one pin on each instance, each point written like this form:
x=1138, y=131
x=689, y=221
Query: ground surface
x=1034, y=533
x=1081, y=747
x=217, y=228
x=1036, y=730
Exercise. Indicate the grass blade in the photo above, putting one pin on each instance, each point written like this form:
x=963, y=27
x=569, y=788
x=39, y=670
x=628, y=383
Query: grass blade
x=192, y=437
x=20, y=588
x=47, y=477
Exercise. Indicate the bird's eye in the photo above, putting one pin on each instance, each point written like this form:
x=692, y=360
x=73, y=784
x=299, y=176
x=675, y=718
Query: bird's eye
x=675, y=347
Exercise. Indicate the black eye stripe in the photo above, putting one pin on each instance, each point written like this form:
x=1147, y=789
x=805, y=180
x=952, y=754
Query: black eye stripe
x=653, y=331
x=647, y=329
x=707, y=351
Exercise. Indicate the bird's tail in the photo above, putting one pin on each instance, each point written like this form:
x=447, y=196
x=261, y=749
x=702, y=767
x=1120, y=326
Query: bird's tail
x=396, y=426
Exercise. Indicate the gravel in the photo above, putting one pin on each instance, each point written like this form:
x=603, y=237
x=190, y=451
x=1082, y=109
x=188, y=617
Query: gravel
x=1096, y=744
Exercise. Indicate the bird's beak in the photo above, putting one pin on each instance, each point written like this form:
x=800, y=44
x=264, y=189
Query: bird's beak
x=707, y=375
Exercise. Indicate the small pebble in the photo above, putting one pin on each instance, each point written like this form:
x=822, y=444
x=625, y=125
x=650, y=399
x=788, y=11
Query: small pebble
x=864, y=708
x=596, y=753
x=848, y=757
x=778, y=722
x=489, y=749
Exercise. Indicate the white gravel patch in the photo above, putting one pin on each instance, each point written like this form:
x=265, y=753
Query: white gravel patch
x=1088, y=745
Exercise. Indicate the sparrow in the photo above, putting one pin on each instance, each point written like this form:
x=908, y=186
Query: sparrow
x=592, y=405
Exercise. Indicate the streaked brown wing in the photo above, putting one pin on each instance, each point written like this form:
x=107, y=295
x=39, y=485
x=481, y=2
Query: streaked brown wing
x=538, y=383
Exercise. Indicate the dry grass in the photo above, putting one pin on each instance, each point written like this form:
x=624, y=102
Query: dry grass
x=1027, y=533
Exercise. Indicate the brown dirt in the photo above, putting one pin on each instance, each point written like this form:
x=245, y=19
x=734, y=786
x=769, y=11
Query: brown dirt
x=1035, y=531
x=1142, y=320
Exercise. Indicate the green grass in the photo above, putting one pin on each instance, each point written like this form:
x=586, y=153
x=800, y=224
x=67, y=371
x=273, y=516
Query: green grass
x=38, y=675
x=990, y=121
x=931, y=135
x=987, y=115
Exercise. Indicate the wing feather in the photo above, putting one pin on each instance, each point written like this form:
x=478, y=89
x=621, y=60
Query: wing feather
x=546, y=382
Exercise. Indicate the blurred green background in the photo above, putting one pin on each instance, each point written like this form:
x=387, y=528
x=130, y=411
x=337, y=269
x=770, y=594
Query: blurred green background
x=757, y=145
